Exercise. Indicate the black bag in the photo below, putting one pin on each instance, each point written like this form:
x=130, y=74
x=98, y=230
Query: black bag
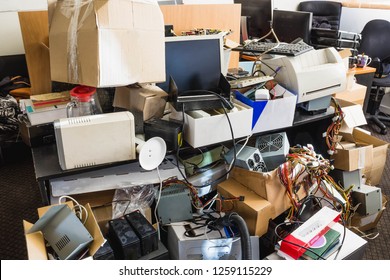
x=9, y=111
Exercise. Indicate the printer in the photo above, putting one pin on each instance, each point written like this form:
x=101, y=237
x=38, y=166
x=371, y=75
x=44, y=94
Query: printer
x=311, y=76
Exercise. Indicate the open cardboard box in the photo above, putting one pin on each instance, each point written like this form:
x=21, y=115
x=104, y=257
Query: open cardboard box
x=369, y=152
x=214, y=128
x=356, y=94
x=266, y=185
x=255, y=210
x=35, y=241
x=266, y=113
x=107, y=43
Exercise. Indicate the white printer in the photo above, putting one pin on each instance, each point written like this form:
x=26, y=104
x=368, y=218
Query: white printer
x=311, y=75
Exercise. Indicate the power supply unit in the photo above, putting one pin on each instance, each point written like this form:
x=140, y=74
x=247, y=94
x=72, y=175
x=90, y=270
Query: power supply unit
x=146, y=233
x=273, y=148
x=249, y=158
x=370, y=199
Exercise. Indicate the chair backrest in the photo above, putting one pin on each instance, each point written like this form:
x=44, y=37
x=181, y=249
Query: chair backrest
x=323, y=10
x=376, y=39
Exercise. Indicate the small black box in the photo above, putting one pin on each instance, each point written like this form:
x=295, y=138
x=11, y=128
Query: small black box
x=145, y=232
x=167, y=130
x=124, y=241
x=105, y=252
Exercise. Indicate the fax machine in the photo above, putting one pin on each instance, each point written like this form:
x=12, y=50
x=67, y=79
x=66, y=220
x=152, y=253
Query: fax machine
x=311, y=75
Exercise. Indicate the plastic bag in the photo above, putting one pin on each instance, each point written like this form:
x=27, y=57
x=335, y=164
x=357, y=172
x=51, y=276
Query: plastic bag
x=128, y=198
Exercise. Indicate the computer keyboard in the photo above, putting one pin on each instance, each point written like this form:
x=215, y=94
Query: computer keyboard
x=249, y=81
x=282, y=49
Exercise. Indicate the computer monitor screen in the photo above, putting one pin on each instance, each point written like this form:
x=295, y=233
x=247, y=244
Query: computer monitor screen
x=290, y=25
x=194, y=62
x=259, y=16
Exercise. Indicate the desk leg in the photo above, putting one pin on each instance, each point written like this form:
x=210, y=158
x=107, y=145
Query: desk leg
x=44, y=192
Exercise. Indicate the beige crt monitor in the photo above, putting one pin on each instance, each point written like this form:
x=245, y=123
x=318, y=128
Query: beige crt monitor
x=97, y=139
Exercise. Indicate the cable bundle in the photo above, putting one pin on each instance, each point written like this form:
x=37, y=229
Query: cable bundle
x=331, y=134
x=304, y=168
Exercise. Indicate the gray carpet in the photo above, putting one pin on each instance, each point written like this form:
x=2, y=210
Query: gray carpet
x=20, y=198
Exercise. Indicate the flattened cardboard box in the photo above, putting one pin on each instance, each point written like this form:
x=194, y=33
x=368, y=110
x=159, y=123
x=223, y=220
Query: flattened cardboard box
x=268, y=186
x=107, y=43
x=255, y=210
x=35, y=241
x=149, y=99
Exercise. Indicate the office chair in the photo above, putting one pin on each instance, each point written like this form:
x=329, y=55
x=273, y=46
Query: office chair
x=375, y=43
x=326, y=22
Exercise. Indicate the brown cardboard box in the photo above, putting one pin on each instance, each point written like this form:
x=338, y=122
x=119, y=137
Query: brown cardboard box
x=255, y=210
x=355, y=94
x=107, y=43
x=149, y=99
x=35, y=242
x=352, y=156
x=379, y=155
x=267, y=185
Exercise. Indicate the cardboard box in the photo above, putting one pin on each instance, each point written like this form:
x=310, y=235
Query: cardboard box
x=107, y=43
x=351, y=155
x=35, y=242
x=268, y=186
x=255, y=210
x=356, y=94
x=267, y=113
x=149, y=99
x=374, y=171
x=354, y=115
x=202, y=131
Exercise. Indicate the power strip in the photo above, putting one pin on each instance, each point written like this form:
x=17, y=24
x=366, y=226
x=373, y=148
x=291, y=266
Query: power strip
x=249, y=81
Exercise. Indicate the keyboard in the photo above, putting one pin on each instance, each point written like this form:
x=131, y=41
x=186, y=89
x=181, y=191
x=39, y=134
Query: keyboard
x=249, y=81
x=282, y=49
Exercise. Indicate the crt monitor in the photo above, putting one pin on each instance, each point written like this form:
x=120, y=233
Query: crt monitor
x=259, y=15
x=194, y=62
x=290, y=25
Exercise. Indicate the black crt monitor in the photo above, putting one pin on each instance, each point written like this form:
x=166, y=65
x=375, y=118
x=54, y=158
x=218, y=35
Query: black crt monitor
x=290, y=25
x=259, y=16
x=194, y=62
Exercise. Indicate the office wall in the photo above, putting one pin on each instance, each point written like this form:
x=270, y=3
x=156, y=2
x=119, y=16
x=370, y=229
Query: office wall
x=354, y=19
x=10, y=34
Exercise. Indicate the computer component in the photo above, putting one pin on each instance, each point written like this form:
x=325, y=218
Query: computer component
x=146, y=233
x=287, y=49
x=123, y=240
x=202, y=247
x=249, y=158
x=311, y=75
x=290, y=25
x=105, y=252
x=63, y=231
x=273, y=148
x=369, y=199
x=175, y=204
x=168, y=130
x=249, y=81
x=97, y=139
x=346, y=179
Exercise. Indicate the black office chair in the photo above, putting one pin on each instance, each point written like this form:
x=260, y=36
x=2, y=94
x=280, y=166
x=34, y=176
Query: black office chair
x=326, y=22
x=375, y=43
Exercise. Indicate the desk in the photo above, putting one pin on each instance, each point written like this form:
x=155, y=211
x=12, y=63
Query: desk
x=364, y=76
